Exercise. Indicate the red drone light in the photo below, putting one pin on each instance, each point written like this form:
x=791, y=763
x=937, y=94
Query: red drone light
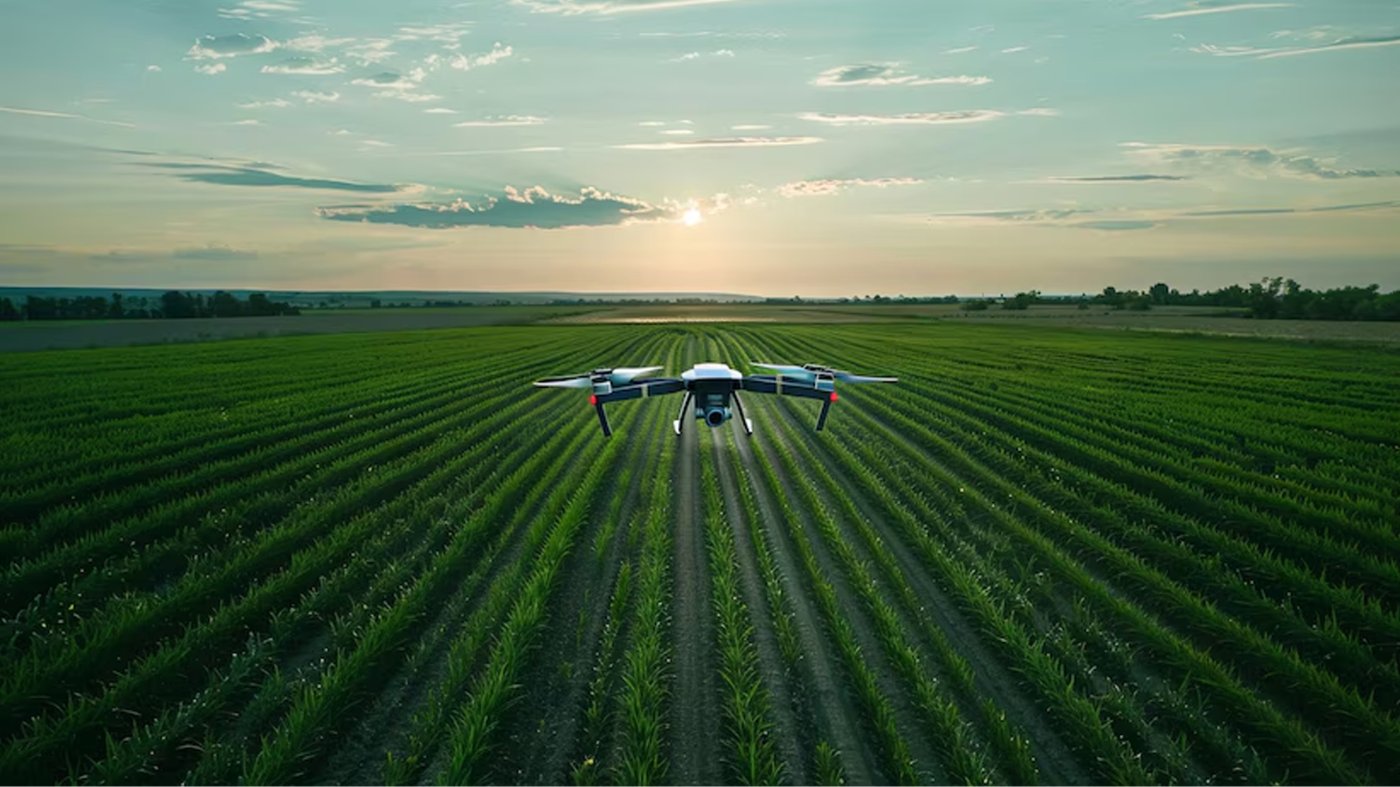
x=593, y=399
x=833, y=396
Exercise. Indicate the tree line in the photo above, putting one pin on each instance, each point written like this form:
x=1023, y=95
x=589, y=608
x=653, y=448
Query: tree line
x=1274, y=298
x=172, y=304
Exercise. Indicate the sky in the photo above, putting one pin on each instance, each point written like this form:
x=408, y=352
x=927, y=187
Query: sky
x=768, y=147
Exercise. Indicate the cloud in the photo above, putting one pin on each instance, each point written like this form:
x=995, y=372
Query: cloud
x=498, y=53
x=831, y=187
x=212, y=68
x=305, y=66
x=502, y=120
x=960, y=50
x=246, y=122
x=153, y=68
x=1249, y=161
x=885, y=75
x=908, y=118
x=235, y=45
x=276, y=103
x=688, y=56
x=315, y=97
x=259, y=9
x=1204, y=8
x=1356, y=42
x=1011, y=50
x=1091, y=179
x=391, y=80
x=439, y=111
x=1122, y=220
x=750, y=127
x=608, y=6
x=213, y=253
x=721, y=142
x=44, y=113
x=532, y=207
x=677, y=132
x=1341, y=44
x=220, y=175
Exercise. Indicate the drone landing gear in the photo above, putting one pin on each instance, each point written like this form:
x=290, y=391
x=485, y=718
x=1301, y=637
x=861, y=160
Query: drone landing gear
x=680, y=417
x=826, y=407
x=739, y=404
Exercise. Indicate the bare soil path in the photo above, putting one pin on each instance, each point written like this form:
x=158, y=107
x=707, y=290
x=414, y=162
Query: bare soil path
x=834, y=706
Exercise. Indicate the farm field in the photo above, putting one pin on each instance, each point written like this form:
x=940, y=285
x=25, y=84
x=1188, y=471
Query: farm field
x=1046, y=556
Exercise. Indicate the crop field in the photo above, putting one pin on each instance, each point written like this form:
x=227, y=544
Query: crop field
x=1046, y=556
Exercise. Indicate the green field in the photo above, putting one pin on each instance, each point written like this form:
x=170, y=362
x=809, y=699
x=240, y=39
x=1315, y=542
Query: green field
x=1046, y=556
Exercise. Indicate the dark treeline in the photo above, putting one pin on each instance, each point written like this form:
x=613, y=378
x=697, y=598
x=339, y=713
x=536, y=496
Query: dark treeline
x=1270, y=299
x=171, y=305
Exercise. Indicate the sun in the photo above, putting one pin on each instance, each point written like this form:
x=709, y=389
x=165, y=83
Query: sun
x=691, y=217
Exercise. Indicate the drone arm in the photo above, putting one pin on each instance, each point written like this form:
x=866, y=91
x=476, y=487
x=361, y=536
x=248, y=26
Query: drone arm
x=739, y=403
x=642, y=389
x=766, y=384
x=788, y=387
x=680, y=417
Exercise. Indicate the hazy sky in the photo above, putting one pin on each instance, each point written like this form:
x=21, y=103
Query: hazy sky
x=816, y=147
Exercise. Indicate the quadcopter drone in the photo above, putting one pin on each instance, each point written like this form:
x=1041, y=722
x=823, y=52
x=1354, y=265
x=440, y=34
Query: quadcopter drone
x=711, y=386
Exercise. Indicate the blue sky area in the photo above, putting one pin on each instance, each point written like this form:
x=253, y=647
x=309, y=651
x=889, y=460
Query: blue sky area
x=772, y=147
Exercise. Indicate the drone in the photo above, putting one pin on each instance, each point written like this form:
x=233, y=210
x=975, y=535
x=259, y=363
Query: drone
x=711, y=387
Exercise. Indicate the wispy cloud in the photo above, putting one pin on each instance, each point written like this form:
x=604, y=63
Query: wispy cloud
x=247, y=122
x=886, y=75
x=305, y=66
x=465, y=62
x=221, y=175
x=534, y=207
x=1120, y=219
x=750, y=127
x=1335, y=46
x=905, y=119
x=609, y=6
x=276, y=103
x=721, y=142
x=235, y=45
x=259, y=9
x=1098, y=179
x=211, y=69
x=830, y=187
x=316, y=97
x=1256, y=161
x=503, y=120
x=44, y=113
x=689, y=56
x=439, y=111
x=1205, y=8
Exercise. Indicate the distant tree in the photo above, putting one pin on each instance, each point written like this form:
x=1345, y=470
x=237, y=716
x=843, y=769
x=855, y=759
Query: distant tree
x=375, y=303
x=1022, y=301
x=223, y=304
x=117, y=310
x=1159, y=292
x=975, y=306
x=175, y=305
x=8, y=312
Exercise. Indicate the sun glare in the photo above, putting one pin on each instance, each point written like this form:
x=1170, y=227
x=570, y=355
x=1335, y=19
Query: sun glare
x=692, y=217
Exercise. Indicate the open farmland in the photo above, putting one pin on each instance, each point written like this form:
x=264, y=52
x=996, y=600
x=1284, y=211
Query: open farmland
x=1046, y=556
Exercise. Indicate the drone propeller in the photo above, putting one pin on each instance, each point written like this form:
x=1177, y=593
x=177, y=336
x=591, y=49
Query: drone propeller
x=618, y=376
x=814, y=371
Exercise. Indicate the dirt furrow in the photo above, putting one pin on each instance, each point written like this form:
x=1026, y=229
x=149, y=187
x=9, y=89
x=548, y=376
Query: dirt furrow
x=835, y=708
x=553, y=702
x=788, y=725
x=695, y=716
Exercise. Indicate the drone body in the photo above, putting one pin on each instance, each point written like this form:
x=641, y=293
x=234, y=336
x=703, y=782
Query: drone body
x=712, y=387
